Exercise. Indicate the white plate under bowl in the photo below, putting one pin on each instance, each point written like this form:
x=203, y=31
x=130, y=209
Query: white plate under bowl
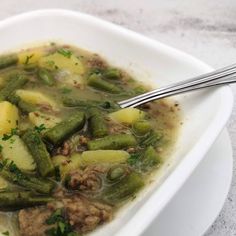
x=197, y=204
x=204, y=113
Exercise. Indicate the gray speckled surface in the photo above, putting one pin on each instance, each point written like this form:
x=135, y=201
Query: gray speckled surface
x=204, y=28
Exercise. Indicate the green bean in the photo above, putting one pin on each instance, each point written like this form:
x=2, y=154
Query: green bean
x=96, y=81
x=116, y=173
x=16, y=81
x=11, y=201
x=122, y=190
x=112, y=142
x=149, y=159
x=29, y=182
x=8, y=60
x=141, y=127
x=111, y=73
x=39, y=152
x=97, y=123
x=74, y=102
x=150, y=139
x=65, y=129
x=46, y=77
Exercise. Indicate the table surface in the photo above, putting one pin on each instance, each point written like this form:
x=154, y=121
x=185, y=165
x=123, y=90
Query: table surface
x=204, y=28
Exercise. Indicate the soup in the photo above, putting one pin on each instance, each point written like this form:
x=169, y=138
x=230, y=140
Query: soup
x=70, y=157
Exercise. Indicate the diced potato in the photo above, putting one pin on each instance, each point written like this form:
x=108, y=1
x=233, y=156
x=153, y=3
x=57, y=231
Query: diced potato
x=59, y=160
x=8, y=117
x=57, y=60
x=36, y=98
x=15, y=150
x=104, y=156
x=67, y=164
x=3, y=183
x=127, y=115
x=28, y=57
x=38, y=118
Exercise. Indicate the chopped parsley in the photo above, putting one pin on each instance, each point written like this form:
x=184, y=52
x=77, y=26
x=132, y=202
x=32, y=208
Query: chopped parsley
x=40, y=128
x=1, y=147
x=13, y=132
x=65, y=52
x=6, y=233
x=28, y=59
x=134, y=158
x=65, y=90
x=62, y=226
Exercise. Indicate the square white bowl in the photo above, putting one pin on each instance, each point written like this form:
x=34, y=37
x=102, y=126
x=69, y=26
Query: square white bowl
x=205, y=113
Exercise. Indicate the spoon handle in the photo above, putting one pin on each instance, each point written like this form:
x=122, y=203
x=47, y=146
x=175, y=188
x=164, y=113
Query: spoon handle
x=222, y=76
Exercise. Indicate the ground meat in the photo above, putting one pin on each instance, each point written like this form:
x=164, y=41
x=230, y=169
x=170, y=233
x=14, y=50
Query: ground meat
x=96, y=62
x=32, y=221
x=88, y=179
x=64, y=150
x=83, y=215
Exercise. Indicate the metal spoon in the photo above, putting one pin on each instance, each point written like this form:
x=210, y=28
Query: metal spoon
x=222, y=76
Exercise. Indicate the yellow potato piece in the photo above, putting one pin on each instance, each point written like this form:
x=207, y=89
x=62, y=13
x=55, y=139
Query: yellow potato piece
x=57, y=60
x=36, y=98
x=15, y=150
x=28, y=57
x=8, y=117
x=67, y=164
x=38, y=118
x=127, y=115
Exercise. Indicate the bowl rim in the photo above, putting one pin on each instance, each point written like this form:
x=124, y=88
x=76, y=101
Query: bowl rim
x=183, y=170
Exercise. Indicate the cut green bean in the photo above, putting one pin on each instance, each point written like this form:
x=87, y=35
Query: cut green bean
x=111, y=73
x=8, y=60
x=11, y=201
x=122, y=190
x=39, y=152
x=113, y=142
x=16, y=81
x=97, y=123
x=29, y=182
x=149, y=159
x=96, y=81
x=46, y=77
x=65, y=129
x=74, y=102
x=141, y=127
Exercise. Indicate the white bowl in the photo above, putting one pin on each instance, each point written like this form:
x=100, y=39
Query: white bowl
x=204, y=113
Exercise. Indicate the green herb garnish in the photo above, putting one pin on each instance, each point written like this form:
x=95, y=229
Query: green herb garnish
x=13, y=132
x=134, y=158
x=1, y=147
x=65, y=90
x=28, y=59
x=6, y=233
x=40, y=128
x=65, y=52
x=62, y=228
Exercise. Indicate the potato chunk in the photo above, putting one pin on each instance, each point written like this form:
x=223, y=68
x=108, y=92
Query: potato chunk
x=36, y=98
x=57, y=60
x=38, y=118
x=28, y=57
x=127, y=115
x=15, y=150
x=8, y=117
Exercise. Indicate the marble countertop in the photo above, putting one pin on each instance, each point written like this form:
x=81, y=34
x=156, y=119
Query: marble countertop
x=204, y=28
